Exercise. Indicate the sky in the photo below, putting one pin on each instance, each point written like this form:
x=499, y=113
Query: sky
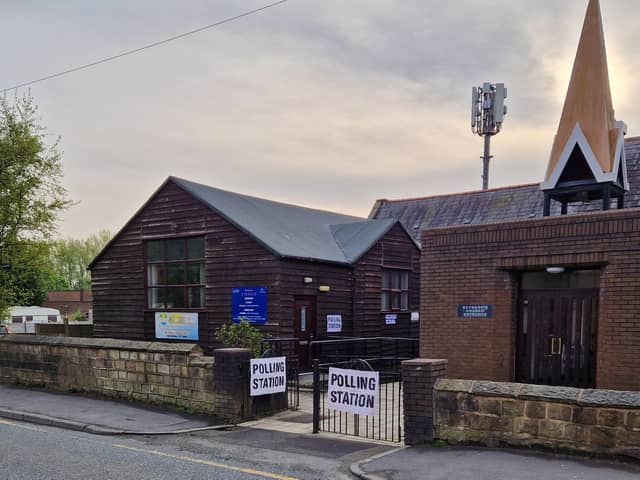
x=330, y=104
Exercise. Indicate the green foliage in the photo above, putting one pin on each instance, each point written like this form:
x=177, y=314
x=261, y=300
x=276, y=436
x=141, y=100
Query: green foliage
x=31, y=198
x=77, y=316
x=23, y=281
x=241, y=334
x=71, y=257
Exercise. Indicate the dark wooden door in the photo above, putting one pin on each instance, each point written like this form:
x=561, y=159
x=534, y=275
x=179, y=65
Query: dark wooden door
x=304, y=328
x=557, y=337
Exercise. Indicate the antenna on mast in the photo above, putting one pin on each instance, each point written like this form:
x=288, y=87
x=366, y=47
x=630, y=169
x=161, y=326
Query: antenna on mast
x=487, y=115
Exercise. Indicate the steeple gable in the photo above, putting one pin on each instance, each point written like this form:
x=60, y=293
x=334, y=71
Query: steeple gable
x=588, y=147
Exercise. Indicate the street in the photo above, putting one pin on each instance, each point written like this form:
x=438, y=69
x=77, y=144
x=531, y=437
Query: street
x=37, y=452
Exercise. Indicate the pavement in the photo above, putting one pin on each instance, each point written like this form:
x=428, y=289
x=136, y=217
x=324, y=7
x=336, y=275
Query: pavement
x=97, y=416
x=288, y=434
x=464, y=463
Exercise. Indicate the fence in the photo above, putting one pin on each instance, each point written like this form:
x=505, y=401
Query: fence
x=286, y=347
x=382, y=353
x=386, y=424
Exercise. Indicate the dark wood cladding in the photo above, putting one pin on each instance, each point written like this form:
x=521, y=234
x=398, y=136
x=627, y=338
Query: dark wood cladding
x=338, y=301
x=234, y=259
x=395, y=250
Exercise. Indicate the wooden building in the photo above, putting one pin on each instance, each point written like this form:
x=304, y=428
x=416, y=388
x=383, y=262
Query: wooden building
x=216, y=256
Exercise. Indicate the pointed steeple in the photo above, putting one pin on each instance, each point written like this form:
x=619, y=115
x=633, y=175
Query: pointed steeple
x=589, y=141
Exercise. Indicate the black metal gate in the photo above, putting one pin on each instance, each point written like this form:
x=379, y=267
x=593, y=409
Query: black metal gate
x=383, y=355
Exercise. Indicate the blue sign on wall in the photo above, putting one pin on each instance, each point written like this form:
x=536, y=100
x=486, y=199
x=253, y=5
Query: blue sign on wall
x=249, y=304
x=475, y=311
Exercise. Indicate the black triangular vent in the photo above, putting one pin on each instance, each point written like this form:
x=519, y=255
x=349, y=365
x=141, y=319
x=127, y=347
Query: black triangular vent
x=577, y=169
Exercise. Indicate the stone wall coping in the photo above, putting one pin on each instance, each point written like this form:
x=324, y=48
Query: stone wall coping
x=202, y=361
x=544, y=393
x=103, y=343
x=232, y=350
x=416, y=362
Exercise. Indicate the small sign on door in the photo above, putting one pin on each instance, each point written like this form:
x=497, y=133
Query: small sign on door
x=390, y=319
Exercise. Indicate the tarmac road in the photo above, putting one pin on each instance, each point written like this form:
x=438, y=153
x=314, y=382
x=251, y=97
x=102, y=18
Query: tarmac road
x=40, y=452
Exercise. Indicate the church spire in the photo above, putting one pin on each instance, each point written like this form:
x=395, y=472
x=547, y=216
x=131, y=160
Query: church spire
x=588, y=147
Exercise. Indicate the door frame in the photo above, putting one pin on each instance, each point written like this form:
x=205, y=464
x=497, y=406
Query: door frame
x=305, y=363
x=559, y=327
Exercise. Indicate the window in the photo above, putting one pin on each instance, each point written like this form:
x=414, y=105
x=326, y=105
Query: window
x=175, y=273
x=395, y=290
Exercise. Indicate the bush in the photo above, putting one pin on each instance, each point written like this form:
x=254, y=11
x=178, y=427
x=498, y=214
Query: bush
x=78, y=316
x=241, y=334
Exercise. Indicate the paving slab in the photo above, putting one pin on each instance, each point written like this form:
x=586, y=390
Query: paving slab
x=94, y=415
x=463, y=463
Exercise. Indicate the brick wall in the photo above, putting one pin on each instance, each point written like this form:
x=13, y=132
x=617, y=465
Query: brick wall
x=479, y=265
x=588, y=421
x=419, y=377
x=163, y=373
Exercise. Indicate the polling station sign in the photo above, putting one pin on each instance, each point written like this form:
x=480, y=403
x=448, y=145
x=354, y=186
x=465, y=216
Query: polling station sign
x=353, y=391
x=268, y=375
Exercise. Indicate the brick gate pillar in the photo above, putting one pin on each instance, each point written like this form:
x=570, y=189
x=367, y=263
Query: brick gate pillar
x=418, y=378
x=230, y=385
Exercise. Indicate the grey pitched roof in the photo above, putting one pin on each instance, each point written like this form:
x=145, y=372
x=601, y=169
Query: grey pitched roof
x=518, y=202
x=292, y=231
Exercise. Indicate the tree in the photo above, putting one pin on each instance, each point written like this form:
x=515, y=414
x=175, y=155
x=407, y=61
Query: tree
x=70, y=258
x=31, y=199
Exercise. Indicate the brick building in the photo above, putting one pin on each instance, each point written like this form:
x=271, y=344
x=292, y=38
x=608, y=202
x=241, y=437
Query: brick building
x=71, y=301
x=539, y=283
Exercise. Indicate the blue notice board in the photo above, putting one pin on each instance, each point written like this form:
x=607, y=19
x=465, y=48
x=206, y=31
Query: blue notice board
x=249, y=304
x=475, y=311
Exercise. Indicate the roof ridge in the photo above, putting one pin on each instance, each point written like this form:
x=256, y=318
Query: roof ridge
x=470, y=192
x=262, y=199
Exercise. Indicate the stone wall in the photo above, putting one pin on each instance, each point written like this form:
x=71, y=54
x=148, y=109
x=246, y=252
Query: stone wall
x=490, y=413
x=164, y=373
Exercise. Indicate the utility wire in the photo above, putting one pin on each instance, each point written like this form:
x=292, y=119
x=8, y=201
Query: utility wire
x=145, y=47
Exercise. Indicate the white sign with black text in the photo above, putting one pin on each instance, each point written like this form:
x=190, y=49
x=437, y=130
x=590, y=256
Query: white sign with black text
x=390, y=319
x=334, y=323
x=415, y=316
x=268, y=375
x=353, y=391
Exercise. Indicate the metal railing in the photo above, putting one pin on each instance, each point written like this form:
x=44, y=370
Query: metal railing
x=386, y=424
x=386, y=353
x=286, y=347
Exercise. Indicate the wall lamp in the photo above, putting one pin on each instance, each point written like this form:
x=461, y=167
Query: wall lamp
x=555, y=270
x=307, y=280
x=324, y=288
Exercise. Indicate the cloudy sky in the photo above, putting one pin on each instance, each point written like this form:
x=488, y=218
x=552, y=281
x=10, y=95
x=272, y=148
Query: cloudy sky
x=324, y=103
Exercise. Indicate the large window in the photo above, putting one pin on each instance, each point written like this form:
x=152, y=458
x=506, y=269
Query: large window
x=395, y=290
x=175, y=273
